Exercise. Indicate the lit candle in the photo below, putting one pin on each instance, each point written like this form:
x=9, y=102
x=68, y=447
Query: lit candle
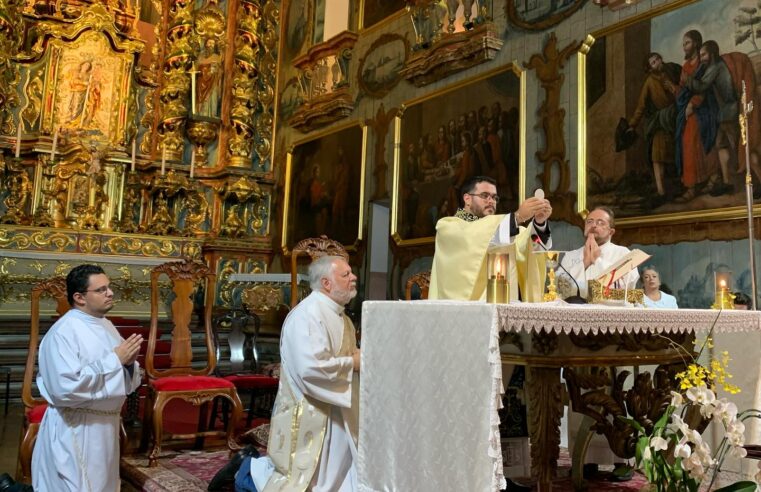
x=163, y=160
x=723, y=285
x=497, y=268
x=18, y=141
x=193, y=90
x=134, y=151
x=55, y=145
x=192, y=164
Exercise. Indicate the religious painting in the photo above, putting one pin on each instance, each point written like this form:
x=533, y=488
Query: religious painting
x=474, y=128
x=379, y=69
x=298, y=20
x=325, y=179
x=537, y=15
x=87, y=89
x=660, y=98
x=374, y=11
x=291, y=98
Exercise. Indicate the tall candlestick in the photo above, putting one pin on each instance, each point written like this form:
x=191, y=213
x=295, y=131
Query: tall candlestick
x=134, y=151
x=163, y=160
x=192, y=164
x=193, y=89
x=55, y=145
x=18, y=141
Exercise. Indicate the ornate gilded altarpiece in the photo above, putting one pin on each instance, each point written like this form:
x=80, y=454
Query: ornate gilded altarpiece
x=123, y=159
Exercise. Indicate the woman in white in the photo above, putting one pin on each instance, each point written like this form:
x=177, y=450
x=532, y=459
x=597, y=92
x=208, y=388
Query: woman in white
x=654, y=296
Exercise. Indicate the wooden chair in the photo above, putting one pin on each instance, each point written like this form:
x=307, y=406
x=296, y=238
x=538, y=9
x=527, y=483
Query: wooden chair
x=314, y=247
x=422, y=280
x=242, y=329
x=35, y=407
x=181, y=379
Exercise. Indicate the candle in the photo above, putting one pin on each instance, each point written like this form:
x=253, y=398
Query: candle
x=193, y=90
x=134, y=151
x=192, y=164
x=18, y=141
x=163, y=160
x=92, y=195
x=55, y=145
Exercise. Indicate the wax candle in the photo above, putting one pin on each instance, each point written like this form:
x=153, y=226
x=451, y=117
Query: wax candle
x=134, y=151
x=192, y=164
x=18, y=141
x=163, y=160
x=55, y=145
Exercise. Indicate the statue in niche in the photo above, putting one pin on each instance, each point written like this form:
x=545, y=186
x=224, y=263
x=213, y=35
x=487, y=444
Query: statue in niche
x=209, y=80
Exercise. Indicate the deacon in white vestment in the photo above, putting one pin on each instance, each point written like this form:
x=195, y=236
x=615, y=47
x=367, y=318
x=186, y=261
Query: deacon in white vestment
x=597, y=255
x=462, y=242
x=314, y=423
x=86, y=371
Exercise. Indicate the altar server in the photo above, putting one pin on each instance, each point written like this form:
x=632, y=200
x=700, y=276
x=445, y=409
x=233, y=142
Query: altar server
x=462, y=241
x=314, y=426
x=86, y=371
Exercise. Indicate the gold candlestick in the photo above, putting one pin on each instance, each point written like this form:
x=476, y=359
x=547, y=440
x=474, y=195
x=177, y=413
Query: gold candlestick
x=497, y=290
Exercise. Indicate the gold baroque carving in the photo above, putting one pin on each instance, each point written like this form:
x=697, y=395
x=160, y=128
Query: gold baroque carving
x=33, y=91
x=11, y=27
x=547, y=66
x=262, y=298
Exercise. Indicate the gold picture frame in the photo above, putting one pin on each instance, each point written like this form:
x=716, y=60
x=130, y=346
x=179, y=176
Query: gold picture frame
x=608, y=177
x=432, y=185
x=314, y=201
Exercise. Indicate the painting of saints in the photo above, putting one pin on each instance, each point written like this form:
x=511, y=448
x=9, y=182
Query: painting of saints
x=85, y=95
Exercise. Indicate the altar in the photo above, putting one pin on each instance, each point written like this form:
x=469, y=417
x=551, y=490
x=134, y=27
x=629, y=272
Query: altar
x=432, y=380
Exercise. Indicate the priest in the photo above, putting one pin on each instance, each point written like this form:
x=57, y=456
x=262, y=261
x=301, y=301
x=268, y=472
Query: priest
x=313, y=431
x=86, y=371
x=462, y=241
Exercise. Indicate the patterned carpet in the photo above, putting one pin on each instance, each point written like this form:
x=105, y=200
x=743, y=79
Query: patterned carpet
x=187, y=471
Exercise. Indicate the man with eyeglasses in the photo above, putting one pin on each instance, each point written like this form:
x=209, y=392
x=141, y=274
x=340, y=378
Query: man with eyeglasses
x=462, y=241
x=597, y=255
x=86, y=371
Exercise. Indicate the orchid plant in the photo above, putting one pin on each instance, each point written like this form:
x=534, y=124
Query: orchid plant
x=673, y=456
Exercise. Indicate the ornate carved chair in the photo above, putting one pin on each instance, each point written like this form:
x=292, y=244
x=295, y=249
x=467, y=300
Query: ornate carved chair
x=242, y=329
x=314, y=247
x=422, y=280
x=35, y=407
x=181, y=379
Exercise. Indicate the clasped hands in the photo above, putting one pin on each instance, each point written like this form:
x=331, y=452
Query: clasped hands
x=129, y=349
x=591, y=251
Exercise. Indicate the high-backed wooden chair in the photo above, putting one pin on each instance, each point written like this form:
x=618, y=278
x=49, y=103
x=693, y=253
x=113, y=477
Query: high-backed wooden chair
x=314, y=247
x=242, y=330
x=181, y=379
x=34, y=408
x=422, y=280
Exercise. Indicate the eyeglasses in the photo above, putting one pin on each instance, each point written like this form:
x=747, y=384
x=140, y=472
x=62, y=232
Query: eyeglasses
x=485, y=196
x=598, y=222
x=100, y=290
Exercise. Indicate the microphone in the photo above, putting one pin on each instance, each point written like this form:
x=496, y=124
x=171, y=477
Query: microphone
x=577, y=299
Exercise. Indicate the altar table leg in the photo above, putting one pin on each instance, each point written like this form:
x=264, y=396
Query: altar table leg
x=545, y=409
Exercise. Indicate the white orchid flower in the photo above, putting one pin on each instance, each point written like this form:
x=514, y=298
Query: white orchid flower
x=659, y=444
x=676, y=399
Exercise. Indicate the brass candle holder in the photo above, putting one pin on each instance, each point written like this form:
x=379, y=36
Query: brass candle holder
x=723, y=298
x=497, y=285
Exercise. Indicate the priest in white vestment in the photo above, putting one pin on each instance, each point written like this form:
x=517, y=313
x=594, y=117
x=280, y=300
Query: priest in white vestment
x=597, y=255
x=462, y=241
x=86, y=371
x=314, y=426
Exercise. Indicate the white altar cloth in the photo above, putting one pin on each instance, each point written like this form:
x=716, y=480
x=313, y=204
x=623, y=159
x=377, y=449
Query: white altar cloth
x=432, y=382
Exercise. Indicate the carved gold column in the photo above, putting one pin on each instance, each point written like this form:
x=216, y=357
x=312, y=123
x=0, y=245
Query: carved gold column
x=244, y=94
x=10, y=39
x=176, y=84
x=268, y=33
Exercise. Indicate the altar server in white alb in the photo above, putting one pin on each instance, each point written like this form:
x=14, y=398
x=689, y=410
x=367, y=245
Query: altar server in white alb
x=597, y=255
x=86, y=370
x=313, y=431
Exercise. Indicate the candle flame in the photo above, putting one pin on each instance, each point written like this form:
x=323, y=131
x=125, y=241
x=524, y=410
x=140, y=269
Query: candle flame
x=722, y=283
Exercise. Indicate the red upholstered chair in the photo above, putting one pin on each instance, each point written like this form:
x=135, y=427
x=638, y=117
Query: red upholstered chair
x=35, y=407
x=242, y=330
x=314, y=247
x=181, y=379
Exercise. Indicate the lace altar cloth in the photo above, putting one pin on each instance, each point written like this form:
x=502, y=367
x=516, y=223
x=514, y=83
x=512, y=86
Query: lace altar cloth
x=432, y=382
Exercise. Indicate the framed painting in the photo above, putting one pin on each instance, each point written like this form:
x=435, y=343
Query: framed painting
x=659, y=96
x=325, y=180
x=374, y=11
x=476, y=127
x=537, y=15
x=299, y=24
x=88, y=88
x=379, y=69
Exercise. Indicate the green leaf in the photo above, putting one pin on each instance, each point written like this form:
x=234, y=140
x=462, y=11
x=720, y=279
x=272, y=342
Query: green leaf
x=633, y=423
x=745, y=486
x=664, y=418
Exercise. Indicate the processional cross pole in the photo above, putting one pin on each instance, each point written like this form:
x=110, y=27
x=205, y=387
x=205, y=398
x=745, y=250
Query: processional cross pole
x=747, y=107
